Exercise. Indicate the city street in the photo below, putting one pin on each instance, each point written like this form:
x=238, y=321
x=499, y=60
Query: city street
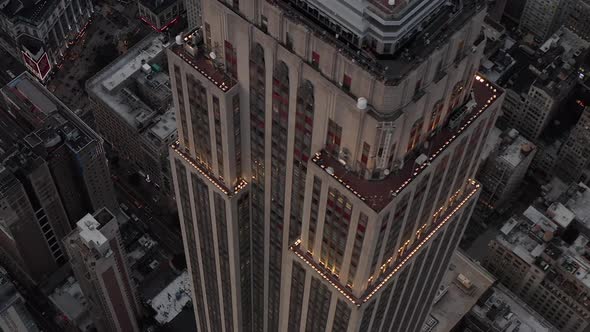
x=138, y=206
x=111, y=25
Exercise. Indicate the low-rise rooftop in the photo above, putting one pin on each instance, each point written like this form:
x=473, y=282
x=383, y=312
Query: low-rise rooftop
x=170, y=301
x=164, y=129
x=70, y=300
x=514, y=148
x=463, y=284
x=506, y=312
x=553, y=67
x=134, y=85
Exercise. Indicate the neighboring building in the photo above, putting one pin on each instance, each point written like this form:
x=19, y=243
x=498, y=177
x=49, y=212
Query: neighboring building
x=540, y=81
x=546, y=158
x=543, y=258
x=574, y=155
x=496, y=9
x=74, y=152
x=464, y=283
x=11, y=67
x=193, y=13
x=577, y=17
x=513, y=10
x=543, y=17
x=14, y=315
x=505, y=169
x=40, y=31
x=32, y=218
x=157, y=141
x=72, y=304
x=98, y=260
x=161, y=14
x=131, y=103
x=499, y=310
x=323, y=167
x=169, y=302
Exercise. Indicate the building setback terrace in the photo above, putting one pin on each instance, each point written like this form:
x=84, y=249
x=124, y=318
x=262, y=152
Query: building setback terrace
x=327, y=274
x=377, y=194
x=391, y=69
x=241, y=183
x=193, y=52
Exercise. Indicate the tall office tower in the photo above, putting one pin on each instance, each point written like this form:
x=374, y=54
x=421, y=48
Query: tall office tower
x=324, y=156
x=543, y=17
x=574, y=153
x=99, y=263
x=496, y=9
x=29, y=214
x=73, y=151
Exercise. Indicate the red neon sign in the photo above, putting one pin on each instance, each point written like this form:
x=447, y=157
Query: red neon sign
x=40, y=68
x=162, y=29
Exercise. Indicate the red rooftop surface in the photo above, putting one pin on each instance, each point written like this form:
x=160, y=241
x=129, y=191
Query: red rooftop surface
x=205, y=66
x=378, y=193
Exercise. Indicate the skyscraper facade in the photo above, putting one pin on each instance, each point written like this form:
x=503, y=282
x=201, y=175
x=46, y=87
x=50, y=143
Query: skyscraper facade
x=325, y=156
x=97, y=256
x=52, y=172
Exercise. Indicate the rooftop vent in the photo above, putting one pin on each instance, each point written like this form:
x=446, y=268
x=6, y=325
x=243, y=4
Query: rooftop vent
x=362, y=103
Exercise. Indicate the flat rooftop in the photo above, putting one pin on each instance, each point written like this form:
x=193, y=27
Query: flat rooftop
x=172, y=299
x=508, y=313
x=455, y=299
x=53, y=122
x=70, y=300
x=377, y=194
x=552, y=67
x=191, y=51
x=112, y=85
x=516, y=150
x=165, y=127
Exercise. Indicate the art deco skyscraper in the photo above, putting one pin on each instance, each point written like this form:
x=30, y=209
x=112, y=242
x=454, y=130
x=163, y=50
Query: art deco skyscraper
x=324, y=159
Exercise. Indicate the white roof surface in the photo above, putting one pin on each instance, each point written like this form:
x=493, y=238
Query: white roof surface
x=560, y=214
x=539, y=219
x=89, y=233
x=170, y=301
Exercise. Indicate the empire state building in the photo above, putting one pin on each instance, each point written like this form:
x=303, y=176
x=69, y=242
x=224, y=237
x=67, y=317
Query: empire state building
x=326, y=154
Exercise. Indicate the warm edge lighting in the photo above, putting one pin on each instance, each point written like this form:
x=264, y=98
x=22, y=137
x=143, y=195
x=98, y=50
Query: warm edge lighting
x=419, y=170
x=222, y=85
x=358, y=302
x=426, y=239
x=241, y=184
